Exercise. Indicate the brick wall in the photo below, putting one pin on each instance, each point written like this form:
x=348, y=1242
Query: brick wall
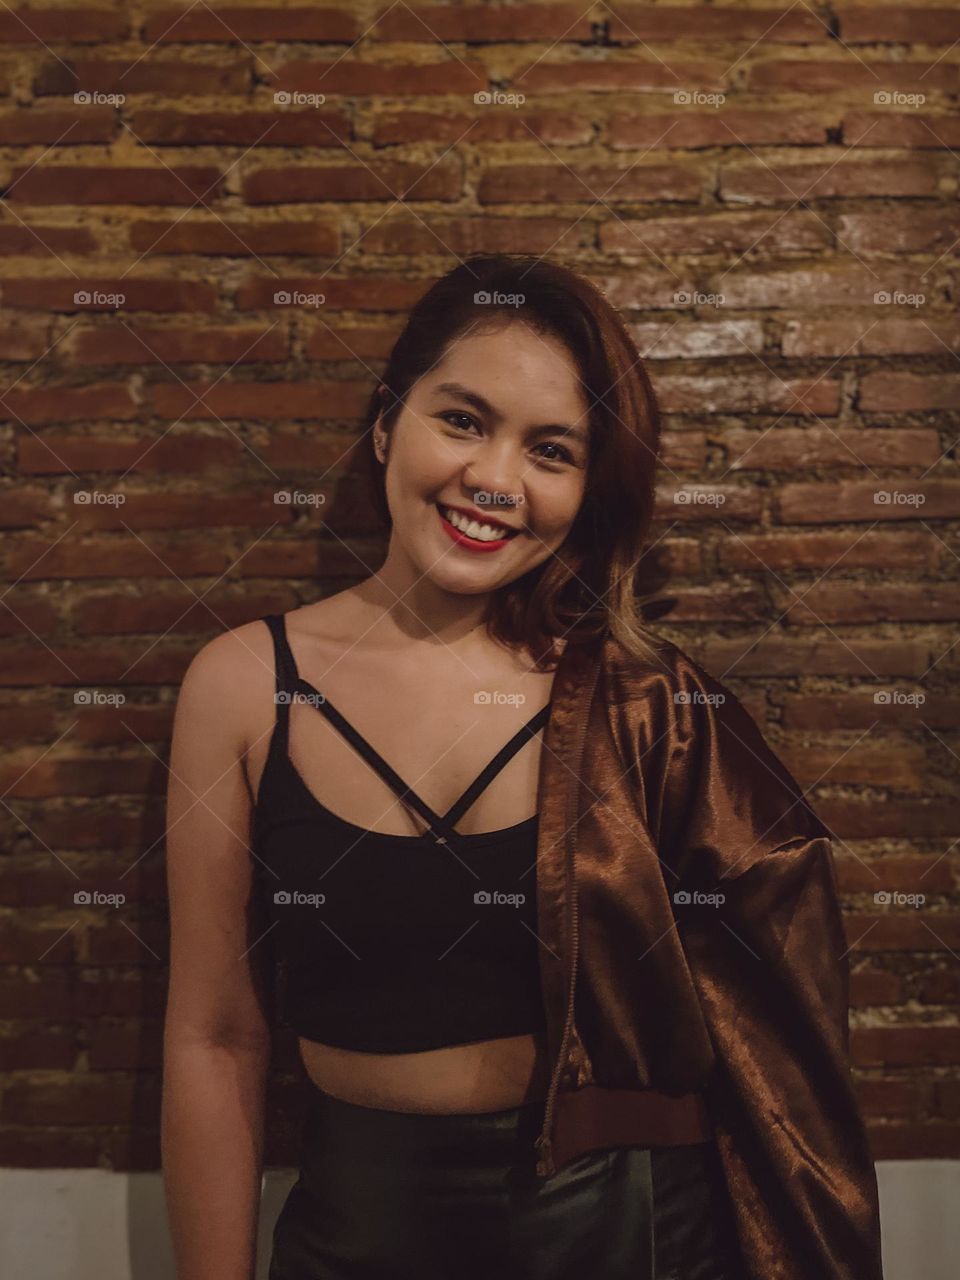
x=730, y=175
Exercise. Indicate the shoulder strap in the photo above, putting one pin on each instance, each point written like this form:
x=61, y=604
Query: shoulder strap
x=505, y=753
x=286, y=671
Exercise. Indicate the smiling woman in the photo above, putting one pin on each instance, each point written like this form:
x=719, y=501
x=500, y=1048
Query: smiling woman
x=411, y=756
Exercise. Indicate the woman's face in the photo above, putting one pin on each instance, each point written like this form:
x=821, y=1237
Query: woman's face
x=497, y=432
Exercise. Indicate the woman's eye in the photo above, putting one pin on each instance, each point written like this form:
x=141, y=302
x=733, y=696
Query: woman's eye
x=453, y=413
x=564, y=454
x=567, y=456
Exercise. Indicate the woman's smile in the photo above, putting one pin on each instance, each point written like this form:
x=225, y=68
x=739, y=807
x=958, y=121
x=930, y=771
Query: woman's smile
x=474, y=533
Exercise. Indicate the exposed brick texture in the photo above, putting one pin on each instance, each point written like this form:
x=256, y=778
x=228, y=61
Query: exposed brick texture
x=766, y=192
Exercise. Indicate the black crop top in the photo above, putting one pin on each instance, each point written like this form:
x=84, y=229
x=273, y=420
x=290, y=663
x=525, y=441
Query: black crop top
x=387, y=943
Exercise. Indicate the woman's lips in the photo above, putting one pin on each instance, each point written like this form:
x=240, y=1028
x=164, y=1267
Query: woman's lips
x=468, y=543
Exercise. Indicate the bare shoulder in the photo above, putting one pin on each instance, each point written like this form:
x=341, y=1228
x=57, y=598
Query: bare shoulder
x=229, y=679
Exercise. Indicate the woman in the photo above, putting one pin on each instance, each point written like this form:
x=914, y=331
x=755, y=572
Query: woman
x=387, y=757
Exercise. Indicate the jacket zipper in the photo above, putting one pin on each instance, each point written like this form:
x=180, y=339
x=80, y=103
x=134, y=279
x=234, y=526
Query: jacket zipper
x=546, y=1165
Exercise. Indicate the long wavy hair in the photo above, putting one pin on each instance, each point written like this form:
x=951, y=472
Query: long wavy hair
x=588, y=586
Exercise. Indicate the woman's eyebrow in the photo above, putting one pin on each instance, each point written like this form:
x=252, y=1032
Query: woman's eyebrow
x=482, y=405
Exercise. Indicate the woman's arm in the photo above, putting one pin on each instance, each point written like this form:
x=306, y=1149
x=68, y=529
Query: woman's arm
x=216, y=1031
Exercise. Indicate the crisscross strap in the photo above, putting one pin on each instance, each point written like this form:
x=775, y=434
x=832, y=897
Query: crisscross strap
x=289, y=682
x=505, y=753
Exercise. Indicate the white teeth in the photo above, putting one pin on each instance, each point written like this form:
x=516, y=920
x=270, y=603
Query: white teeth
x=482, y=532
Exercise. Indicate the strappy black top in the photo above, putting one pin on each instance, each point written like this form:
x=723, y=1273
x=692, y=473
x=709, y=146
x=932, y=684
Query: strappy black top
x=389, y=943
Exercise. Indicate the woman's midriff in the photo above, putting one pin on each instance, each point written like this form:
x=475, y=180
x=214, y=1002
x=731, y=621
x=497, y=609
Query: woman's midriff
x=490, y=1075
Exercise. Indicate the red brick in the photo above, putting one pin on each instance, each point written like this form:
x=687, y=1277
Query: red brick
x=174, y=611
x=234, y=239
x=603, y=186
x=870, y=986
x=384, y=180
x=716, y=233
x=268, y=401
x=908, y=392
x=845, y=74
x=907, y=229
x=483, y=25
x=837, y=178
x=593, y=76
x=23, y=341
x=854, y=500
x=294, y=127
x=892, y=1097
x=867, y=820
x=354, y=79
x=848, y=601
x=793, y=448
x=58, y=26
x=828, y=337
x=776, y=551
x=747, y=393
x=723, y=127
x=73, y=128
x=134, y=344
x=57, y=452
x=173, y=76
x=37, y=405
x=23, y=507
x=44, y=241
x=556, y=128
x=839, y=710
x=232, y=24
x=892, y=129
x=401, y=234
x=654, y=23
x=34, y=559
x=852, y=656
x=895, y=25
x=348, y=341
x=92, y=184
x=939, y=986
x=905, y=1046
x=700, y=340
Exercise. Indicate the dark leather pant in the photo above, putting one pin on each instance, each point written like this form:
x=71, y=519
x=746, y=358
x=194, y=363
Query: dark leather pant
x=387, y=1195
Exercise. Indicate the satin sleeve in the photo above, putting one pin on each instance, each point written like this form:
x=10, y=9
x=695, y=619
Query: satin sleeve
x=767, y=954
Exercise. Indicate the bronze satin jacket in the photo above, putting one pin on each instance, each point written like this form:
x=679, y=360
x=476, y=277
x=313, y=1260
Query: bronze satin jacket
x=676, y=1016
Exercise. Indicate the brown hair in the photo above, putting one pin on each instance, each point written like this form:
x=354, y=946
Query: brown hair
x=587, y=587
